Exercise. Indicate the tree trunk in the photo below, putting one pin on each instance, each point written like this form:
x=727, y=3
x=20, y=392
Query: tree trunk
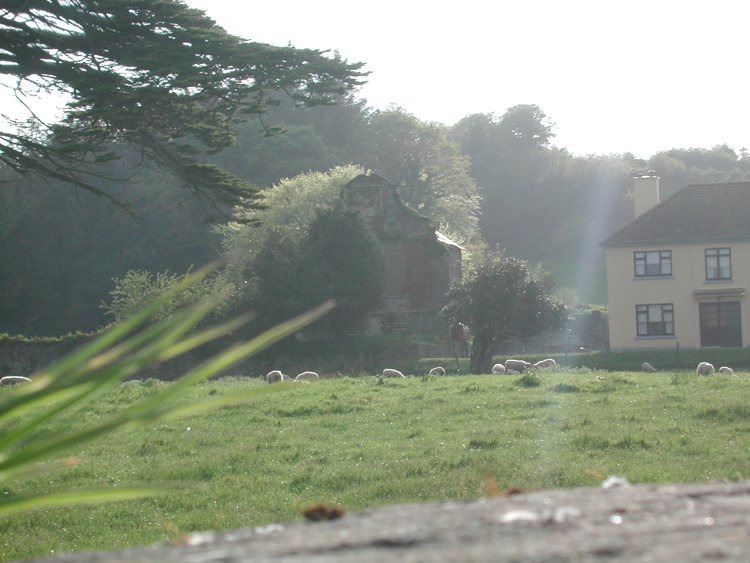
x=482, y=350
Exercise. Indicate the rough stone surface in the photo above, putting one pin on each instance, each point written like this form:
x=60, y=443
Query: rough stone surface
x=672, y=523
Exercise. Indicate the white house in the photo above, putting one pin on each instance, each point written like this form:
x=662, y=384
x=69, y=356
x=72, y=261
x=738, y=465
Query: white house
x=678, y=273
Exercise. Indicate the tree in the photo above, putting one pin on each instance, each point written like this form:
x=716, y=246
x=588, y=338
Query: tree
x=153, y=75
x=527, y=125
x=347, y=265
x=59, y=250
x=430, y=172
x=500, y=299
x=290, y=208
x=308, y=249
x=338, y=258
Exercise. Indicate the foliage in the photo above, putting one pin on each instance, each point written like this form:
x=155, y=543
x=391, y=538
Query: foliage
x=358, y=444
x=315, y=139
x=59, y=250
x=290, y=207
x=65, y=393
x=501, y=300
x=338, y=258
x=137, y=288
x=429, y=171
x=153, y=75
x=346, y=266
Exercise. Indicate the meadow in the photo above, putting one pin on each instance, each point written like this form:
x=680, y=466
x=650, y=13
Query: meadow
x=363, y=441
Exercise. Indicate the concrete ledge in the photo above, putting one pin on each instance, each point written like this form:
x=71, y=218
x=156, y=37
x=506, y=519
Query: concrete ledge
x=664, y=523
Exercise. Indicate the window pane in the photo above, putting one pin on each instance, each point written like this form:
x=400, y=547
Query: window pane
x=640, y=268
x=654, y=313
x=653, y=264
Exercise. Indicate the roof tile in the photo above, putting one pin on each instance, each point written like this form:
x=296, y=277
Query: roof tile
x=698, y=213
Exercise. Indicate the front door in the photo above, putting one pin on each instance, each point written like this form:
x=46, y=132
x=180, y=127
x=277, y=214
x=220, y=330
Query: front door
x=721, y=324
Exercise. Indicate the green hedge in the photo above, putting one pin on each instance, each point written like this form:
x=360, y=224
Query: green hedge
x=663, y=360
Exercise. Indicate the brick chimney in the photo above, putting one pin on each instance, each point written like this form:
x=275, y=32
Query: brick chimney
x=646, y=191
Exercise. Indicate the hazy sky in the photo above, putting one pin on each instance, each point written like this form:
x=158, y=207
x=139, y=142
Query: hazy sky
x=615, y=77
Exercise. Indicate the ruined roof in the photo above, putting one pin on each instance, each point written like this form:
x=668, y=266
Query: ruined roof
x=698, y=213
x=441, y=238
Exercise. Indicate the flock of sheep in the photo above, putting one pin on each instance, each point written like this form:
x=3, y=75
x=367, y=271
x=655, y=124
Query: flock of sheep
x=704, y=368
x=511, y=367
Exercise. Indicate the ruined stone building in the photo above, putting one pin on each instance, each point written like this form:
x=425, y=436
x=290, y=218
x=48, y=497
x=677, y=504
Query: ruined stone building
x=419, y=262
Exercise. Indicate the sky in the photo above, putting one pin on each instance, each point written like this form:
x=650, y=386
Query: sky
x=614, y=77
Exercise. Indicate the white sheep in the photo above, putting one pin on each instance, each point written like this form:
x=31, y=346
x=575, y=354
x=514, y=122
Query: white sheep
x=648, y=367
x=393, y=373
x=437, y=371
x=498, y=369
x=548, y=363
x=307, y=376
x=274, y=376
x=704, y=368
x=512, y=372
x=725, y=369
x=516, y=365
x=13, y=380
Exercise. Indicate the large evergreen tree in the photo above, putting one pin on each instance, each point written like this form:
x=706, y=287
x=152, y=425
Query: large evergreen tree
x=153, y=75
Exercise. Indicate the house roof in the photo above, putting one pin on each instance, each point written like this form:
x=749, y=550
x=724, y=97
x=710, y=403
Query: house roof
x=698, y=213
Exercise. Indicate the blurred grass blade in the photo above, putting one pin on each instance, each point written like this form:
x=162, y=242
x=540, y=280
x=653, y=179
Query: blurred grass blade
x=153, y=407
x=119, y=331
x=78, y=497
x=103, y=375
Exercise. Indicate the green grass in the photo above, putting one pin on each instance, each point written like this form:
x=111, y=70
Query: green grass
x=362, y=442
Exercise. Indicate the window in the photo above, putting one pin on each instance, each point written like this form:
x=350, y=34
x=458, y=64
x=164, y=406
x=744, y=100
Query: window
x=718, y=264
x=655, y=320
x=653, y=263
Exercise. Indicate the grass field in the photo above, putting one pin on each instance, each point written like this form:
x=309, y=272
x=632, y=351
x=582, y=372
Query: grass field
x=363, y=441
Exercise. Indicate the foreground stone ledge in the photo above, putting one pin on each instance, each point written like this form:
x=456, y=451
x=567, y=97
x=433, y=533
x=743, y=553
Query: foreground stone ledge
x=675, y=523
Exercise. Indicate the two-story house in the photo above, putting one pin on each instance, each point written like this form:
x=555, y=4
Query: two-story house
x=679, y=272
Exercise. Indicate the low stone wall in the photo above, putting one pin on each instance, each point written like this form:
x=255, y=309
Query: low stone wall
x=25, y=357
x=657, y=523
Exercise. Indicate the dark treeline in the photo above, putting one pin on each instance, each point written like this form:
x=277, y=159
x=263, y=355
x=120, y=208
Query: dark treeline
x=60, y=249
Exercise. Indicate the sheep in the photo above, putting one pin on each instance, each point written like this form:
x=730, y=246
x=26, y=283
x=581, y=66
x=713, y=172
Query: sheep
x=437, y=371
x=704, y=368
x=274, y=376
x=307, y=376
x=13, y=380
x=725, y=369
x=548, y=363
x=517, y=365
x=498, y=369
x=648, y=367
x=512, y=372
x=393, y=373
